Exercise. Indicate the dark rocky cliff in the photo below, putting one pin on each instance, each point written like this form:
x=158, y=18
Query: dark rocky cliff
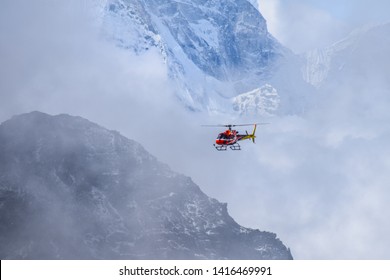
x=70, y=189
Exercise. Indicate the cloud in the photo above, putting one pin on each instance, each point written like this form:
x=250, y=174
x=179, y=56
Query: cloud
x=301, y=26
x=324, y=201
x=55, y=60
x=270, y=11
x=319, y=182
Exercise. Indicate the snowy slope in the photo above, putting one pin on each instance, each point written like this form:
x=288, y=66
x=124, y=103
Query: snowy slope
x=323, y=65
x=70, y=189
x=213, y=50
x=352, y=76
x=263, y=101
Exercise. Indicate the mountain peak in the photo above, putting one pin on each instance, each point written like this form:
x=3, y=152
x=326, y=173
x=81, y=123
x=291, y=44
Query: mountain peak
x=213, y=50
x=70, y=189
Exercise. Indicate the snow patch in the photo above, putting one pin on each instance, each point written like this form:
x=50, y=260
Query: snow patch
x=262, y=101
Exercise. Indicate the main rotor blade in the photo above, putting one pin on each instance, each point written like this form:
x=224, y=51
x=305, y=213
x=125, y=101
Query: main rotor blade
x=249, y=124
x=218, y=125
x=232, y=125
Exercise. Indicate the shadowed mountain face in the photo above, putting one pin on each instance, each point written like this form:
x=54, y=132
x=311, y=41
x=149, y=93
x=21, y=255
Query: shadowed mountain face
x=70, y=189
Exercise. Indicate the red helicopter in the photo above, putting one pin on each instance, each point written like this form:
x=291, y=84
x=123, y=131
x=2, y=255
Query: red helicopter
x=231, y=137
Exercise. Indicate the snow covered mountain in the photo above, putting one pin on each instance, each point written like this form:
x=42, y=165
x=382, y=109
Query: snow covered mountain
x=70, y=189
x=262, y=101
x=362, y=54
x=214, y=50
x=352, y=76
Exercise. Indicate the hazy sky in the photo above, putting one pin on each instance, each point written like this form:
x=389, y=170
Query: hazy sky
x=305, y=24
x=320, y=183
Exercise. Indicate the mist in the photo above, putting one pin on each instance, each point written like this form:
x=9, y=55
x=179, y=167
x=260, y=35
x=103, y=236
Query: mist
x=319, y=181
x=308, y=24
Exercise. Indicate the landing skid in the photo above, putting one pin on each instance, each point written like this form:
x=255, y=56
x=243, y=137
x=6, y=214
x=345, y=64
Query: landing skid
x=234, y=147
x=220, y=147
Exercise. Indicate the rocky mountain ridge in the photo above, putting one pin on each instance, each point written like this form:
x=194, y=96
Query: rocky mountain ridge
x=70, y=189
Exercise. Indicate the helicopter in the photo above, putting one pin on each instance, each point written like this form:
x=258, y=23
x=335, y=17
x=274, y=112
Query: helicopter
x=231, y=137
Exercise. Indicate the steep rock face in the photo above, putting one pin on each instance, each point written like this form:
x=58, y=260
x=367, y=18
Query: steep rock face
x=213, y=50
x=220, y=38
x=70, y=189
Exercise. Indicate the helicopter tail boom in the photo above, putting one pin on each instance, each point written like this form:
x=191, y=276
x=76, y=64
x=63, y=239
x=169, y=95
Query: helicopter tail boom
x=250, y=136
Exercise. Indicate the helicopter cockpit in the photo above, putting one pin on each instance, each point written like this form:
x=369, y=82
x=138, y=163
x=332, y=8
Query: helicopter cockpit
x=225, y=136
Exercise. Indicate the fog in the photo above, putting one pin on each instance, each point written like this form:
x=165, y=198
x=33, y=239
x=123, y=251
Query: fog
x=307, y=24
x=319, y=181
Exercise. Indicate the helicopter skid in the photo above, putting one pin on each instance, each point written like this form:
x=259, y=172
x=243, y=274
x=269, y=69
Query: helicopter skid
x=234, y=147
x=220, y=147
